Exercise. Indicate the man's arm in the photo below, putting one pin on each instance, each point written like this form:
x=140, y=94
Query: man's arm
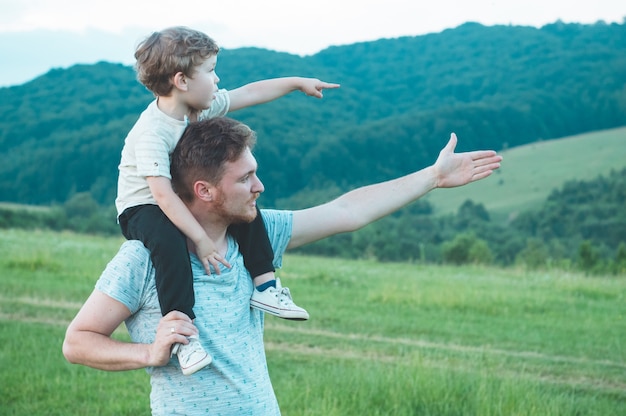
x=367, y=204
x=88, y=338
x=260, y=92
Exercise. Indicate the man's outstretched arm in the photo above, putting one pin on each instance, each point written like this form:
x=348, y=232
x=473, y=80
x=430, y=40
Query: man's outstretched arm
x=367, y=204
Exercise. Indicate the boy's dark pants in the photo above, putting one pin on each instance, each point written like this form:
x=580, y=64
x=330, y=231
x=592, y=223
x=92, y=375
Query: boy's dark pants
x=170, y=257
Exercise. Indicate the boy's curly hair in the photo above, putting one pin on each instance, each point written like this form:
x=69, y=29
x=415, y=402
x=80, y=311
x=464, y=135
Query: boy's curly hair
x=172, y=50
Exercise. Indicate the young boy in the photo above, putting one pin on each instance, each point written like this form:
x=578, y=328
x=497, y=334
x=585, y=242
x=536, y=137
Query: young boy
x=178, y=66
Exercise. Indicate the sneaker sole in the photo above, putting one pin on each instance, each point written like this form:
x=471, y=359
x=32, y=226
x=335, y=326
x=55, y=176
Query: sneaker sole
x=281, y=313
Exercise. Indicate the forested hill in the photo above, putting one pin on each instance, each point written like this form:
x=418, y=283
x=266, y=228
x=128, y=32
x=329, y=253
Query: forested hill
x=496, y=87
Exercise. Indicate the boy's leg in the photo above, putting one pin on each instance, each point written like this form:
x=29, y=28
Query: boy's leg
x=255, y=246
x=173, y=275
x=168, y=251
x=258, y=257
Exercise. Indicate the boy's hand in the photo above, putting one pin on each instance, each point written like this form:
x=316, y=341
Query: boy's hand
x=313, y=87
x=209, y=256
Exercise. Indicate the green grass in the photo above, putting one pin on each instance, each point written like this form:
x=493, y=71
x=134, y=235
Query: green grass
x=383, y=339
x=529, y=173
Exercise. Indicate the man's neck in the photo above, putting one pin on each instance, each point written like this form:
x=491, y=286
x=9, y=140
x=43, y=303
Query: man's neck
x=220, y=241
x=214, y=227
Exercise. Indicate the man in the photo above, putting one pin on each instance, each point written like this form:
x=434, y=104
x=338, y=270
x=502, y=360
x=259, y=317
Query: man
x=214, y=173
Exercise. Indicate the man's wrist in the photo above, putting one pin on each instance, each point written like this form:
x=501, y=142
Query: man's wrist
x=432, y=175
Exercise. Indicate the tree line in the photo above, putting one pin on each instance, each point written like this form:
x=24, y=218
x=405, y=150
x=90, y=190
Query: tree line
x=579, y=226
x=61, y=135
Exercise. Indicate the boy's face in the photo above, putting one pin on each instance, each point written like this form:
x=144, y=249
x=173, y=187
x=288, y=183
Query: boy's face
x=202, y=86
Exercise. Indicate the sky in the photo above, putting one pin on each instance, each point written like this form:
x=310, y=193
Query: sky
x=38, y=35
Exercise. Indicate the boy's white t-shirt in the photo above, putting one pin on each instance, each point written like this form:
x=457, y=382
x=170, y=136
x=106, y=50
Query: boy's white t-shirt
x=148, y=147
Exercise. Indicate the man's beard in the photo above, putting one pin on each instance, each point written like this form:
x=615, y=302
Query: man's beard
x=230, y=217
x=240, y=219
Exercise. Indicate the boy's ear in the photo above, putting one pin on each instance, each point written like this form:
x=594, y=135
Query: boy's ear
x=203, y=190
x=179, y=81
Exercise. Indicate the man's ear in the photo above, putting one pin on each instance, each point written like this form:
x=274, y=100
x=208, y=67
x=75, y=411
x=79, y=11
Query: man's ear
x=179, y=81
x=203, y=190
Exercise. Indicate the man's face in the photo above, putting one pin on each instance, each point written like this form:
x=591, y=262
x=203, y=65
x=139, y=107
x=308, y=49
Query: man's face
x=237, y=192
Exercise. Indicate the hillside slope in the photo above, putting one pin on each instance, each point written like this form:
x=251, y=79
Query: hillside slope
x=531, y=172
x=496, y=87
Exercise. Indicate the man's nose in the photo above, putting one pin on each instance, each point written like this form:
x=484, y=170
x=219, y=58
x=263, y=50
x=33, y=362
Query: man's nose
x=258, y=185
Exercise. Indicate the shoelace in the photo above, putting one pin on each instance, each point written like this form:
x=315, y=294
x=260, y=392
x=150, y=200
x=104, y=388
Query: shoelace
x=285, y=291
x=197, y=348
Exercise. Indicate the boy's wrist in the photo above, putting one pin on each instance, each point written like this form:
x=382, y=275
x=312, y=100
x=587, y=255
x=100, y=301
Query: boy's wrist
x=200, y=240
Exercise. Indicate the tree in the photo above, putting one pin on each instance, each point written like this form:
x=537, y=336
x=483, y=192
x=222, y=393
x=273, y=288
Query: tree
x=466, y=248
x=620, y=259
x=588, y=257
x=534, y=255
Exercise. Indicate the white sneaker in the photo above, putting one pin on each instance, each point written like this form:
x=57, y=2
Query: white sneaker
x=277, y=301
x=192, y=357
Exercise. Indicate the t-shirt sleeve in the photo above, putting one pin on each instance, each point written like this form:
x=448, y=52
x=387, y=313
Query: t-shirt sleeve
x=279, y=225
x=152, y=156
x=126, y=277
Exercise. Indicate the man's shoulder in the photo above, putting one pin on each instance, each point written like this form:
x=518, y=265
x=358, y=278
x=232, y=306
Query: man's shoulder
x=279, y=224
x=128, y=275
x=131, y=262
x=276, y=217
x=134, y=246
x=133, y=253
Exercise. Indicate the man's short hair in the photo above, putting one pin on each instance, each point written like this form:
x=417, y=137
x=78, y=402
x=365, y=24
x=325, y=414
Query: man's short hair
x=163, y=54
x=203, y=151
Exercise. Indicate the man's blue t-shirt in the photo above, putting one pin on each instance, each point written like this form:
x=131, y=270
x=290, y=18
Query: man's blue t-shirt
x=237, y=381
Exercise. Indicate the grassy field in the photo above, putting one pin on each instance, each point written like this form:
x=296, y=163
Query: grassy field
x=383, y=339
x=529, y=173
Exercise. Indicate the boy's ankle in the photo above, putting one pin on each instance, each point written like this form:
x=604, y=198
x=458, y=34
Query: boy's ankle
x=263, y=278
x=264, y=286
